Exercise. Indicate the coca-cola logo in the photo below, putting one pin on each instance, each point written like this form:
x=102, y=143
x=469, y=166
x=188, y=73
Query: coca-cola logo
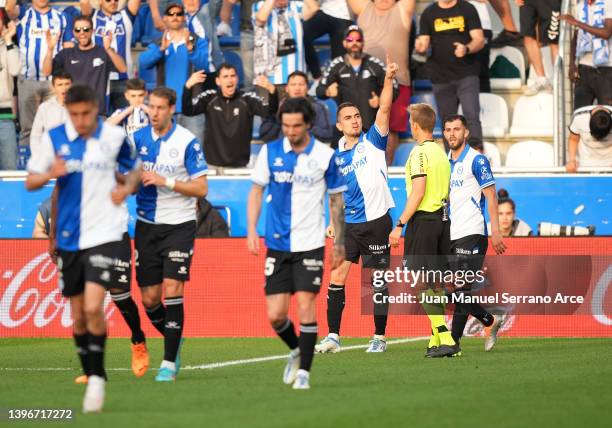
x=599, y=297
x=32, y=295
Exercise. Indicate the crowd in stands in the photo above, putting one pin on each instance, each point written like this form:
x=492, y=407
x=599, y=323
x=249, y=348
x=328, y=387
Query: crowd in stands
x=124, y=48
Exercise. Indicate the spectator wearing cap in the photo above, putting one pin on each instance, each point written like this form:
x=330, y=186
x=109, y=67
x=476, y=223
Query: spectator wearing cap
x=178, y=55
x=279, y=37
x=592, y=48
x=297, y=87
x=332, y=17
x=386, y=26
x=9, y=69
x=355, y=77
x=590, y=140
x=36, y=26
x=87, y=63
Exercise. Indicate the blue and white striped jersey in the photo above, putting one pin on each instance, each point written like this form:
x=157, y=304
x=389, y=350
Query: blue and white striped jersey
x=121, y=24
x=295, y=212
x=470, y=173
x=86, y=215
x=292, y=62
x=32, y=37
x=137, y=120
x=195, y=26
x=176, y=155
x=364, y=168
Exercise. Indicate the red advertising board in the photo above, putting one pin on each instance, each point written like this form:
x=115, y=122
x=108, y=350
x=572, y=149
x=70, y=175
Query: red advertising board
x=225, y=295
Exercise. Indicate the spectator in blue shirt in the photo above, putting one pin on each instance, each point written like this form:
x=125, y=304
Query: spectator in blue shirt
x=178, y=55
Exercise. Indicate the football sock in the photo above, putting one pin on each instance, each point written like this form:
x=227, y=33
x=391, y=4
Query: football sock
x=335, y=306
x=380, y=314
x=82, y=345
x=129, y=311
x=173, y=327
x=157, y=315
x=435, y=312
x=434, y=340
x=481, y=314
x=460, y=317
x=96, y=355
x=308, y=339
x=287, y=333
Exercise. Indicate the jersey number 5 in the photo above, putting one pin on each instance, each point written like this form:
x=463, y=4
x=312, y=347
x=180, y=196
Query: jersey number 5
x=269, y=267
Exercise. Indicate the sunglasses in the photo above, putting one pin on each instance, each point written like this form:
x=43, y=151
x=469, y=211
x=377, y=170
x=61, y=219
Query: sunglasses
x=111, y=1
x=351, y=40
x=82, y=29
x=175, y=14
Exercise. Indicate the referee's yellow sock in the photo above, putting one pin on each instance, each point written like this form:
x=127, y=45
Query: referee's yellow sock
x=434, y=340
x=439, y=325
x=435, y=312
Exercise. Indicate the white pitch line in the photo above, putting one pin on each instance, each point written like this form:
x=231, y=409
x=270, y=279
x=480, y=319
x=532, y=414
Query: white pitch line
x=218, y=365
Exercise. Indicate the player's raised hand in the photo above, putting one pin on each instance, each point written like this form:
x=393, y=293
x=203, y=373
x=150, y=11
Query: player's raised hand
x=391, y=68
x=119, y=194
x=195, y=78
x=374, y=102
x=151, y=178
x=332, y=90
x=253, y=243
x=58, y=168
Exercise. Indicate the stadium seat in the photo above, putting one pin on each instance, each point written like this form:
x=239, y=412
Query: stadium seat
x=256, y=126
x=492, y=153
x=428, y=98
x=322, y=41
x=325, y=58
x=515, y=57
x=493, y=115
x=332, y=109
x=422, y=85
x=234, y=58
x=530, y=154
x=402, y=153
x=533, y=116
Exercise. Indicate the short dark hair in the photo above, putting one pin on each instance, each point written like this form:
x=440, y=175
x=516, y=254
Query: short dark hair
x=60, y=74
x=298, y=105
x=83, y=18
x=342, y=106
x=600, y=124
x=135, y=85
x=81, y=94
x=227, y=66
x=454, y=117
x=167, y=93
x=298, y=73
x=424, y=115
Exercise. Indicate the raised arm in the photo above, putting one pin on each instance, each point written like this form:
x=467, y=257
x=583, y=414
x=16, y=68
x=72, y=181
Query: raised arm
x=158, y=22
x=11, y=9
x=133, y=6
x=262, y=15
x=386, y=98
x=115, y=58
x=52, y=41
x=407, y=11
x=86, y=7
x=357, y=6
x=310, y=8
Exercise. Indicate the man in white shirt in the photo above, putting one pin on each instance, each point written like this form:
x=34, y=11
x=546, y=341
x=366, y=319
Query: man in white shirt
x=590, y=138
x=52, y=112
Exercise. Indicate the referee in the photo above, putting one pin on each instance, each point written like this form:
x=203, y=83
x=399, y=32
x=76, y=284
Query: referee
x=428, y=232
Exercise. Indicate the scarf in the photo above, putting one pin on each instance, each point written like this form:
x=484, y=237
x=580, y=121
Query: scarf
x=270, y=46
x=588, y=43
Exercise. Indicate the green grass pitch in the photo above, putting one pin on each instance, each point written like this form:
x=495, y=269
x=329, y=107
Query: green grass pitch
x=522, y=383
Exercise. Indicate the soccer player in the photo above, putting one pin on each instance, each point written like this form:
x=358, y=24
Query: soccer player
x=174, y=176
x=361, y=160
x=83, y=155
x=135, y=116
x=297, y=170
x=472, y=183
x=427, y=240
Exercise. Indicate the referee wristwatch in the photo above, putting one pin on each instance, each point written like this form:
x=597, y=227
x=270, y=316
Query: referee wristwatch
x=400, y=224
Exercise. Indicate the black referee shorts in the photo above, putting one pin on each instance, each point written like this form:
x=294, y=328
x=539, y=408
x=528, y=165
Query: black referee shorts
x=370, y=240
x=427, y=241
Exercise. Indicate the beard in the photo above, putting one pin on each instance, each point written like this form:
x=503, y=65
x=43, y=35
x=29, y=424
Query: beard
x=356, y=54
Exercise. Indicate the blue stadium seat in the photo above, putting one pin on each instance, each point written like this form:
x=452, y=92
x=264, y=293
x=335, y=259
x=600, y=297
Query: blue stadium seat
x=332, y=109
x=422, y=85
x=233, y=58
x=428, y=98
x=402, y=153
x=322, y=41
x=325, y=58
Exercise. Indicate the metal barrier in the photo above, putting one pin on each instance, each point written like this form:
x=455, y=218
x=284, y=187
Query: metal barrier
x=562, y=90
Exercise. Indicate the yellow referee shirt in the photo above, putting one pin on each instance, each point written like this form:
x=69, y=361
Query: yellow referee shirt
x=429, y=160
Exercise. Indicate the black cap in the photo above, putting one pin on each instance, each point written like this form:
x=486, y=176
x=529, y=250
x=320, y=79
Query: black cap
x=172, y=6
x=352, y=28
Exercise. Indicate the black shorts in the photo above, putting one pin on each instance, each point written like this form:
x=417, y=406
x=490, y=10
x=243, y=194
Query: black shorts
x=370, y=240
x=108, y=265
x=541, y=17
x=468, y=253
x=427, y=241
x=288, y=272
x=163, y=251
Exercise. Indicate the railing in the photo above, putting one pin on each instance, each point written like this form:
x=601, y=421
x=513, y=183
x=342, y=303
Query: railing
x=562, y=90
